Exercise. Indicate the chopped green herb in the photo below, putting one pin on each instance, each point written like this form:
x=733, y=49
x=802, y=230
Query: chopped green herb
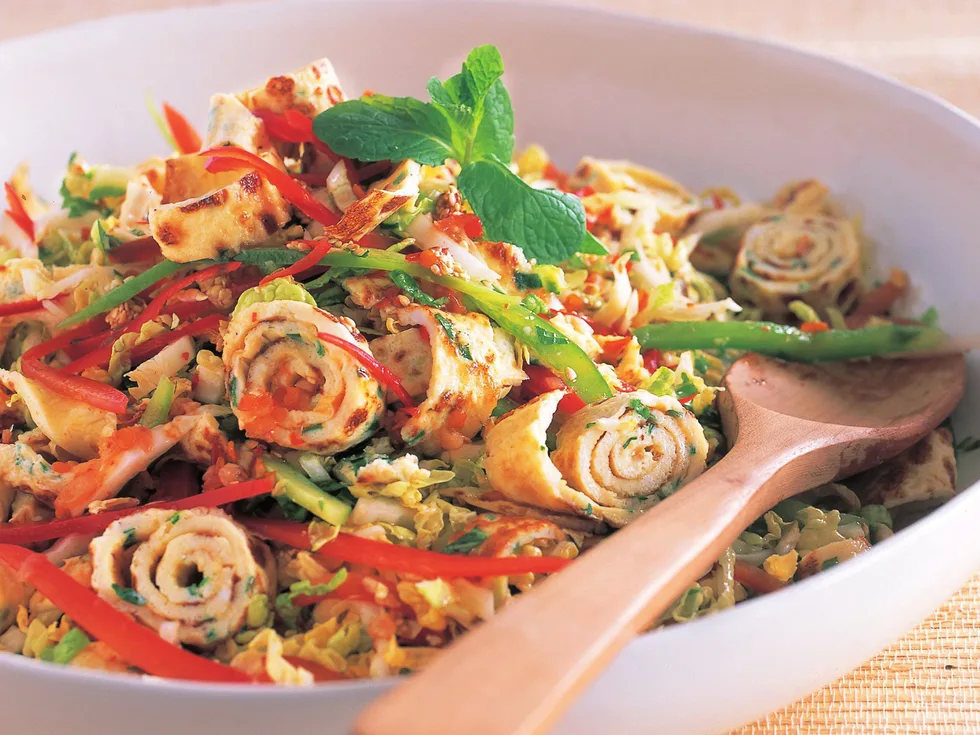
x=629, y=441
x=637, y=405
x=450, y=330
x=194, y=590
x=673, y=412
x=590, y=425
x=411, y=288
x=832, y=562
x=466, y=543
x=130, y=539
x=174, y=518
x=588, y=510
x=687, y=388
x=233, y=391
x=127, y=594
x=701, y=363
x=312, y=428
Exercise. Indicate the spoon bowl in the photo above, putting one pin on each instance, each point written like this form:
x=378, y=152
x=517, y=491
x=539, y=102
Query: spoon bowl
x=793, y=427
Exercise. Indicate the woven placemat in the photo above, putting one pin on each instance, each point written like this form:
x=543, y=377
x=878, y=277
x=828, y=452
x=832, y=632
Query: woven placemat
x=928, y=682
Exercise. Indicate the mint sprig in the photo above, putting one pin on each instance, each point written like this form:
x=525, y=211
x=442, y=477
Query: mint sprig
x=469, y=119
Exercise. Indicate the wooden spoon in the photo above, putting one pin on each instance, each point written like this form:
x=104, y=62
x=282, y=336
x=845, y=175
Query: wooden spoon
x=794, y=427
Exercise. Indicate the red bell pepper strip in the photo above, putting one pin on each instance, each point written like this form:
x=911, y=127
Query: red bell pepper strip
x=292, y=127
x=29, y=533
x=292, y=190
x=83, y=389
x=100, y=356
x=470, y=224
x=318, y=248
x=404, y=559
x=757, y=580
x=16, y=211
x=155, y=307
x=135, y=251
x=541, y=380
x=19, y=307
x=139, y=645
x=380, y=373
x=282, y=128
x=183, y=311
x=184, y=135
x=152, y=310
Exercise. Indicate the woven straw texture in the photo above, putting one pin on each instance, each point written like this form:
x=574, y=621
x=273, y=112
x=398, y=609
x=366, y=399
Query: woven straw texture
x=928, y=682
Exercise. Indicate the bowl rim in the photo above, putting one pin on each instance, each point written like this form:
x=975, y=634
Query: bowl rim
x=939, y=111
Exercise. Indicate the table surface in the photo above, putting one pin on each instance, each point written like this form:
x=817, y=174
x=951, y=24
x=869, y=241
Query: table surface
x=928, y=682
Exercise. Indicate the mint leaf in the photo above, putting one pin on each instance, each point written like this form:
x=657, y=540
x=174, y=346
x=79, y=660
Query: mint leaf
x=379, y=128
x=548, y=225
x=495, y=131
x=481, y=70
x=593, y=245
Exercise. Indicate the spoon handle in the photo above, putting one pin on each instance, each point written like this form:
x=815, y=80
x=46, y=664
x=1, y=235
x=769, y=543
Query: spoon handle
x=516, y=673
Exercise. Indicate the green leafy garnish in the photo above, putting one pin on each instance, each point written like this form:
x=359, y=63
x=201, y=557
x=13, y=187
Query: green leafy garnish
x=469, y=119
x=129, y=538
x=412, y=289
x=128, y=594
x=549, y=225
x=637, y=405
x=466, y=543
x=450, y=330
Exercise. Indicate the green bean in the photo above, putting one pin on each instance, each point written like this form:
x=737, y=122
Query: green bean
x=789, y=343
x=545, y=343
x=122, y=294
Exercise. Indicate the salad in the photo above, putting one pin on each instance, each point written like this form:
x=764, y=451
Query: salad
x=331, y=384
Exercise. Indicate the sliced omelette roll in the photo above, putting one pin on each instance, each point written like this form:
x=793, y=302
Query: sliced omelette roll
x=629, y=450
x=614, y=458
x=720, y=233
x=464, y=365
x=289, y=387
x=636, y=188
x=188, y=574
x=815, y=259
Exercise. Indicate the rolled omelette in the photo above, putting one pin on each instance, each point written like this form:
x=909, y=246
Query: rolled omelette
x=292, y=389
x=189, y=575
x=814, y=258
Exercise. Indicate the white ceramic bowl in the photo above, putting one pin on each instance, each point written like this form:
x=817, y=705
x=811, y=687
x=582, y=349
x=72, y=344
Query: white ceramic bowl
x=705, y=107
